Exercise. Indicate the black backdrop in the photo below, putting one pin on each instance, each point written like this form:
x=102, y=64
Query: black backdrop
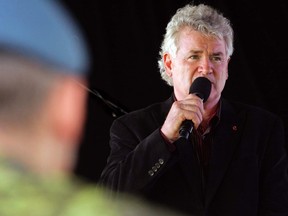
x=124, y=39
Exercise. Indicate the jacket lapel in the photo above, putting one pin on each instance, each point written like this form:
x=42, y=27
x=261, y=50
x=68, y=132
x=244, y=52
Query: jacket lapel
x=225, y=142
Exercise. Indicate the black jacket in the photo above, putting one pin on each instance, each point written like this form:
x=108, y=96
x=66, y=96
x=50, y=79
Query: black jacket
x=247, y=172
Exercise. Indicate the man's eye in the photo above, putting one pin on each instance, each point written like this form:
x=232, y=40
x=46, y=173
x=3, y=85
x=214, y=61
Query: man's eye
x=194, y=57
x=216, y=58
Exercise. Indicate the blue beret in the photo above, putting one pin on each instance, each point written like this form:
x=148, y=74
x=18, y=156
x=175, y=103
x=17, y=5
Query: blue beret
x=43, y=29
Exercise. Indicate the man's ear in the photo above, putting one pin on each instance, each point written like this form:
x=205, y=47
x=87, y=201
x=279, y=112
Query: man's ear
x=168, y=64
x=68, y=109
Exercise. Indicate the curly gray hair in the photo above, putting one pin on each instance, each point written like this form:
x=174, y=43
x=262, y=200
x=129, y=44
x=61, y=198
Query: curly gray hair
x=202, y=18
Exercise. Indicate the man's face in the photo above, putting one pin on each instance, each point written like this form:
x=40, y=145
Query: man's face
x=197, y=55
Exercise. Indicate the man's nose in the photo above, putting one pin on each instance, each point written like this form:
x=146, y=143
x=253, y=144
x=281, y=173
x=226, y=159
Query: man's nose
x=205, y=67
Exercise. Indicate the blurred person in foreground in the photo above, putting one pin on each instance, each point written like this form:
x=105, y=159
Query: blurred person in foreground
x=233, y=163
x=43, y=68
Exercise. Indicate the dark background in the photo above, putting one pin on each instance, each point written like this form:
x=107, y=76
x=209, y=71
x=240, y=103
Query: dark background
x=124, y=38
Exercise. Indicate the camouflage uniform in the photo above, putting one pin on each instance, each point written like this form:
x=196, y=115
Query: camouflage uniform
x=24, y=194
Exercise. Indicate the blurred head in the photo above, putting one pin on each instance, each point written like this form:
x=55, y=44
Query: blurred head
x=43, y=30
x=43, y=67
x=201, y=18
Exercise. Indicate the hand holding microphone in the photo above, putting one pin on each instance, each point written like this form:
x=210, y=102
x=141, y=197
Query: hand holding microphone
x=200, y=87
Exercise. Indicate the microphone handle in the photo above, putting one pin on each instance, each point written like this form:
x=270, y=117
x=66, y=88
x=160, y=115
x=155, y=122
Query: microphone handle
x=186, y=129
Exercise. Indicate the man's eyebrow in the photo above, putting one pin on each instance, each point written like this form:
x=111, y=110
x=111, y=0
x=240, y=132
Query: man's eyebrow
x=196, y=51
x=199, y=51
x=218, y=53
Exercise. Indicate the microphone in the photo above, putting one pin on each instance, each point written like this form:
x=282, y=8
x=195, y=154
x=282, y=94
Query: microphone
x=200, y=87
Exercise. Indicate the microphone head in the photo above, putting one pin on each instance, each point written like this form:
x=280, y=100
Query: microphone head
x=201, y=86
